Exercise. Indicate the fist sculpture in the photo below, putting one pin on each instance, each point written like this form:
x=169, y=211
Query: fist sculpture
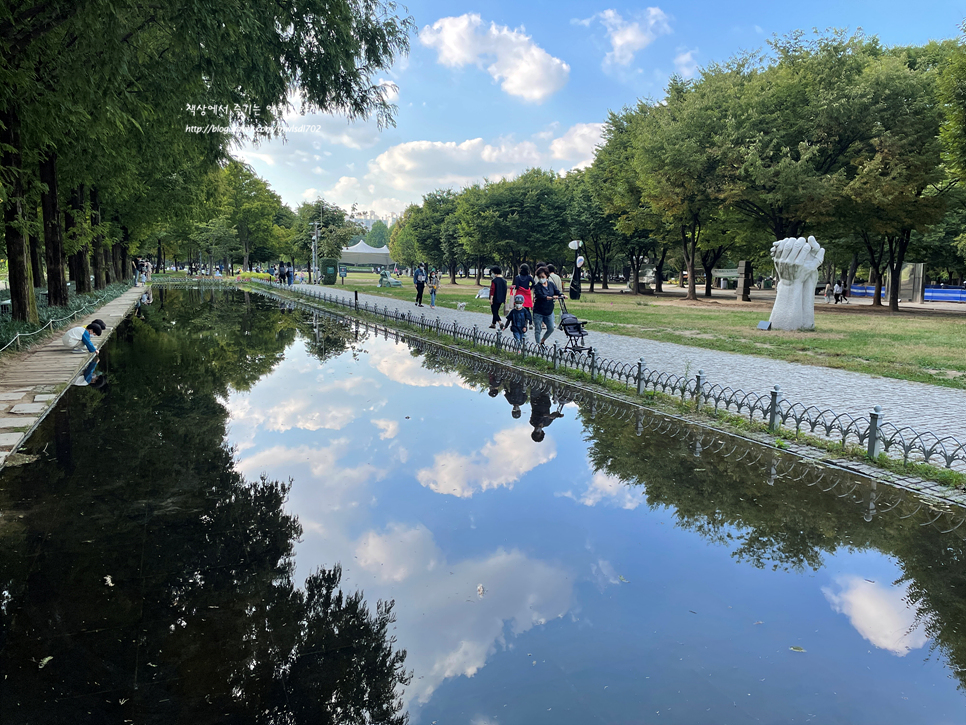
x=797, y=262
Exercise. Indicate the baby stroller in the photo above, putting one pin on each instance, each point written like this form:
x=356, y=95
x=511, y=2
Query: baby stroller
x=574, y=330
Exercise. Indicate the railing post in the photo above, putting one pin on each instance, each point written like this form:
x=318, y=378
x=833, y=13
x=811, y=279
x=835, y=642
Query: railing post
x=455, y=337
x=698, y=389
x=422, y=321
x=640, y=376
x=476, y=332
x=875, y=437
x=356, y=294
x=556, y=359
x=593, y=365
x=776, y=396
x=499, y=339
x=438, y=325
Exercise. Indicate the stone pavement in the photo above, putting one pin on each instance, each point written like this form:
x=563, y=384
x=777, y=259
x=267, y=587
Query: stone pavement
x=919, y=405
x=31, y=382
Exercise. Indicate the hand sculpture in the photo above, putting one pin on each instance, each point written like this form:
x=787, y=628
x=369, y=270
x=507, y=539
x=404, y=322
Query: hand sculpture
x=797, y=262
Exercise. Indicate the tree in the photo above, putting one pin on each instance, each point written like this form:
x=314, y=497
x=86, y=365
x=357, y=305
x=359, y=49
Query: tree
x=378, y=236
x=402, y=243
x=591, y=225
x=252, y=207
x=678, y=164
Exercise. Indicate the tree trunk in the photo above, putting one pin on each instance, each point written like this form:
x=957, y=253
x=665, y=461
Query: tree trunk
x=452, y=273
x=36, y=266
x=22, y=300
x=603, y=280
x=897, y=256
x=98, y=243
x=53, y=233
x=853, y=268
x=659, y=271
x=877, y=295
x=79, y=260
x=689, y=241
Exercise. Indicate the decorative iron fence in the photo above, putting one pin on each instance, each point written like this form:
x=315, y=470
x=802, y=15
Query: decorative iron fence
x=873, y=433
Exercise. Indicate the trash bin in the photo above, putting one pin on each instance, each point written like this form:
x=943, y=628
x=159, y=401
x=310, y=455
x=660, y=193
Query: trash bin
x=767, y=284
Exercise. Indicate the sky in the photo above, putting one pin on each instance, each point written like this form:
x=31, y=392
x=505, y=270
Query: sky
x=491, y=89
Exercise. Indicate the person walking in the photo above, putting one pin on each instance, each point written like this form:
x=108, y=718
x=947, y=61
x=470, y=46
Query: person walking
x=557, y=282
x=291, y=275
x=543, y=296
x=523, y=285
x=828, y=292
x=419, y=279
x=518, y=319
x=433, y=288
x=837, y=291
x=497, y=295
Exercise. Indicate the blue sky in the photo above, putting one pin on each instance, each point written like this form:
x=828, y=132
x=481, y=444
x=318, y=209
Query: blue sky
x=490, y=89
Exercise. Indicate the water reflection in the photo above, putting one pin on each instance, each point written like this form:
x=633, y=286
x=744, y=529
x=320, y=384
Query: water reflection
x=624, y=564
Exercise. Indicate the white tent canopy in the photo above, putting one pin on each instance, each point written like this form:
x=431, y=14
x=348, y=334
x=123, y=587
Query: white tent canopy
x=363, y=254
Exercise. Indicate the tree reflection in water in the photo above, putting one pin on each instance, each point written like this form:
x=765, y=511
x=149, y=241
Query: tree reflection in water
x=144, y=579
x=769, y=509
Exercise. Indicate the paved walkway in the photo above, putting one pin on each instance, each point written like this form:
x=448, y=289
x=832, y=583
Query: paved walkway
x=919, y=405
x=33, y=381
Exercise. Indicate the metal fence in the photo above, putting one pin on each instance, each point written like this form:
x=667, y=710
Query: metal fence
x=873, y=433
x=54, y=322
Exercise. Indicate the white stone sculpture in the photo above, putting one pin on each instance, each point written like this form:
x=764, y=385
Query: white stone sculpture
x=797, y=262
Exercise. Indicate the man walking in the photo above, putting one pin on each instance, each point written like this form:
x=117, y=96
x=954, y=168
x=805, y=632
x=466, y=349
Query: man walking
x=497, y=296
x=419, y=279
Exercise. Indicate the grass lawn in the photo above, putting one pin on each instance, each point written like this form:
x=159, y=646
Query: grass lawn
x=927, y=346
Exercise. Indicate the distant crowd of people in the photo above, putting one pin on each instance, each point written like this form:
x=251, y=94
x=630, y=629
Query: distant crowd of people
x=839, y=291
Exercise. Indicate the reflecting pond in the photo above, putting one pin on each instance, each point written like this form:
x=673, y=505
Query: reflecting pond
x=268, y=516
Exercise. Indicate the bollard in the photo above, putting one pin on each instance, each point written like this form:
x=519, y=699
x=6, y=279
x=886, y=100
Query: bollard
x=593, y=365
x=556, y=359
x=499, y=339
x=357, y=299
x=875, y=436
x=640, y=376
x=776, y=396
x=699, y=388
x=476, y=332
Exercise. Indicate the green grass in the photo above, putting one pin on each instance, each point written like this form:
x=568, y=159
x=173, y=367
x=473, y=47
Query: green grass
x=924, y=346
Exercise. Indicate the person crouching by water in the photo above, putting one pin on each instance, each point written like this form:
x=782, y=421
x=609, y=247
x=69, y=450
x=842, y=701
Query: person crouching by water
x=78, y=338
x=518, y=319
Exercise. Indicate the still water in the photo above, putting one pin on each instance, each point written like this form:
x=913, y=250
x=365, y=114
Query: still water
x=267, y=518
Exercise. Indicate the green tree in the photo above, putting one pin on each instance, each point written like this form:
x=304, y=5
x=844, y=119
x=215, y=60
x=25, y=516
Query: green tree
x=378, y=236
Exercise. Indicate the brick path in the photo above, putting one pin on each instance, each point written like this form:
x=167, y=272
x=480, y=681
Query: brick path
x=919, y=405
x=32, y=381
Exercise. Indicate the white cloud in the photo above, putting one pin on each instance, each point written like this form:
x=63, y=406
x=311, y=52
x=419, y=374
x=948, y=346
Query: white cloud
x=501, y=462
x=628, y=37
x=385, y=205
x=310, y=194
x=345, y=192
x=604, y=487
x=685, y=63
x=389, y=428
x=422, y=165
x=398, y=553
x=399, y=365
x=525, y=69
x=302, y=412
x=249, y=156
x=880, y=614
x=578, y=143
x=318, y=170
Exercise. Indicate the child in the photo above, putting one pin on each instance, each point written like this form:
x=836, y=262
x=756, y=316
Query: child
x=497, y=296
x=518, y=319
x=78, y=338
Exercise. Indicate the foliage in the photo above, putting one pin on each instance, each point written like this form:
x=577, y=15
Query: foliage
x=378, y=236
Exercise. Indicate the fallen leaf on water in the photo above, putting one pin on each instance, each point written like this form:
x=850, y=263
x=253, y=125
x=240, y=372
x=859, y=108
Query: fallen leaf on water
x=796, y=649
x=108, y=580
x=621, y=577
x=43, y=662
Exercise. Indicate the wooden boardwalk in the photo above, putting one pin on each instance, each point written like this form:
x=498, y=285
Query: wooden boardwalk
x=32, y=381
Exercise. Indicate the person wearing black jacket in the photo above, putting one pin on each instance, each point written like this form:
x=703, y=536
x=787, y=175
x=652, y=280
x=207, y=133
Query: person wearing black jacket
x=543, y=296
x=497, y=295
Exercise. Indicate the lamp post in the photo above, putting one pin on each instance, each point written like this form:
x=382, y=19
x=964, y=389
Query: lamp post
x=575, y=245
x=313, y=266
